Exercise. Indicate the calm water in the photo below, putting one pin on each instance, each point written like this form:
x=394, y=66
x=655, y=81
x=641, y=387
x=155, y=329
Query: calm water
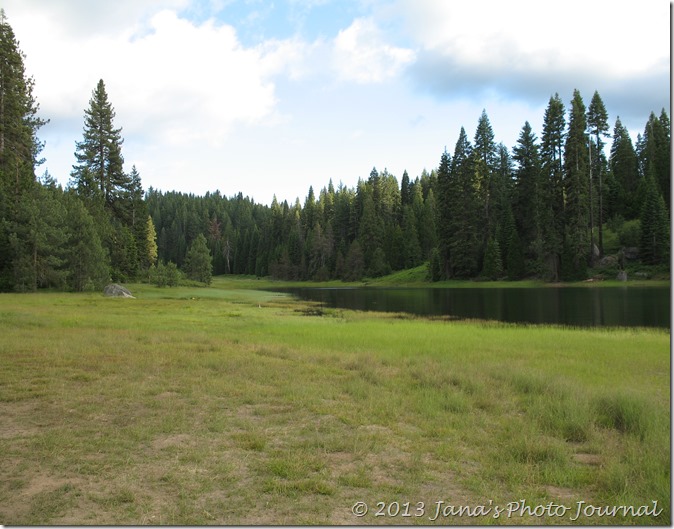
x=577, y=306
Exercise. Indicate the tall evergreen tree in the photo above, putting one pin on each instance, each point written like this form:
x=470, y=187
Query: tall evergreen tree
x=85, y=255
x=427, y=223
x=99, y=173
x=464, y=210
x=411, y=256
x=444, y=209
x=198, y=261
x=576, y=177
x=624, y=168
x=132, y=209
x=19, y=144
x=654, y=241
x=38, y=240
x=114, y=198
x=150, y=256
x=597, y=120
x=654, y=151
x=528, y=198
x=552, y=163
x=405, y=190
x=503, y=183
x=664, y=159
x=485, y=160
x=493, y=267
x=354, y=263
x=371, y=232
x=512, y=255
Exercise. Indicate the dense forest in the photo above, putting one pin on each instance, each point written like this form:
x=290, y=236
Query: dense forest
x=553, y=207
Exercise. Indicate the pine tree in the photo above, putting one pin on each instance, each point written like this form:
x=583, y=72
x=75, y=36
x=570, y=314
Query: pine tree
x=597, y=120
x=371, y=232
x=528, y=197
x=198, y=261
x=354, y=263
x=444, y=209
x=113, y=198
x=485, y=162
x=552, y=163
x=576, y=173
x=655, y=151
x=502, y=189
x=664, y=159
x=411, y=256
x=132, y=209
x=37, y=240
x=19, y=147
x=654, y=241
x=99, y=174
x=405, y=190
x=493, y=267
x=150, y=257
x=464, y=210
x=510, y=245
x=624, y=168
x=427, y=224
x=435, y=271
x=514, y=261
x=120, y=242
x=379, y=266
x=309, y=212
x=86, y=258
x=19, y=124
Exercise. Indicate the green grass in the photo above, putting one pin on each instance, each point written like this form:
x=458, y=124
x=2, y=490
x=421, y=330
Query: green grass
x=226, y=405
x=417, y=278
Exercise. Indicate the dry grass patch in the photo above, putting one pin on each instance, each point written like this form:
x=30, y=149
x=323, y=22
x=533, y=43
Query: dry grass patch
x=208, y=406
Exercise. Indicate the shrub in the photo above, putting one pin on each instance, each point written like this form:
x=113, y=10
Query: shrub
x=165, y=275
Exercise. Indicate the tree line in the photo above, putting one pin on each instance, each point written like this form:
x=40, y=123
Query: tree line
x=540, y=209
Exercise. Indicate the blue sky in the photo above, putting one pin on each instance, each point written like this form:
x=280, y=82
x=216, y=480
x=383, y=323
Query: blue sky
x=270, y=98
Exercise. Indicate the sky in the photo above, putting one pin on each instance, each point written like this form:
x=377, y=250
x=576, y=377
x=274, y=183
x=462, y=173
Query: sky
x=268, y=98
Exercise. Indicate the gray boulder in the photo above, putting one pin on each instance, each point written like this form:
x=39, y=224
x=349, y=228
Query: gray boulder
x=631, y=253
x=609, y=260
x=117, y=291
x=622, y=275
x=595, y=251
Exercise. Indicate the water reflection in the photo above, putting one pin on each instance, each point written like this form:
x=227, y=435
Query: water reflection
x=577, y=306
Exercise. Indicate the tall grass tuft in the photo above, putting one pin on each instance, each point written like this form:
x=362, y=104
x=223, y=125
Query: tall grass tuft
x=564, y=414
x=626, y=413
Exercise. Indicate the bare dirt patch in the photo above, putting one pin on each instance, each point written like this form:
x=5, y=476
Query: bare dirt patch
x=587, y=459
x=17, y=419
x=170, y=441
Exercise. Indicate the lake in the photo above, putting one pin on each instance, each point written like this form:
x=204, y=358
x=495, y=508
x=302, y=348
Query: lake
x=575, y=306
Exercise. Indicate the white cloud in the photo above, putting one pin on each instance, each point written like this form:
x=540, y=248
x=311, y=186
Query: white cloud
x=86, y=18
x=361, y=54
x=533, y=35
x=179, y=78
x=191, y=82
x=527, y=50
x=201, y=110
x=175, y=85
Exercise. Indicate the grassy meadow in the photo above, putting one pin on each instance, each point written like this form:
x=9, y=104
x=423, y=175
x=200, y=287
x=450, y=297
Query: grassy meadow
x=227, y=405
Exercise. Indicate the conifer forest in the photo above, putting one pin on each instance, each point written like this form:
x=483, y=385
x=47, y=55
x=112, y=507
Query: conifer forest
x=542, y=208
